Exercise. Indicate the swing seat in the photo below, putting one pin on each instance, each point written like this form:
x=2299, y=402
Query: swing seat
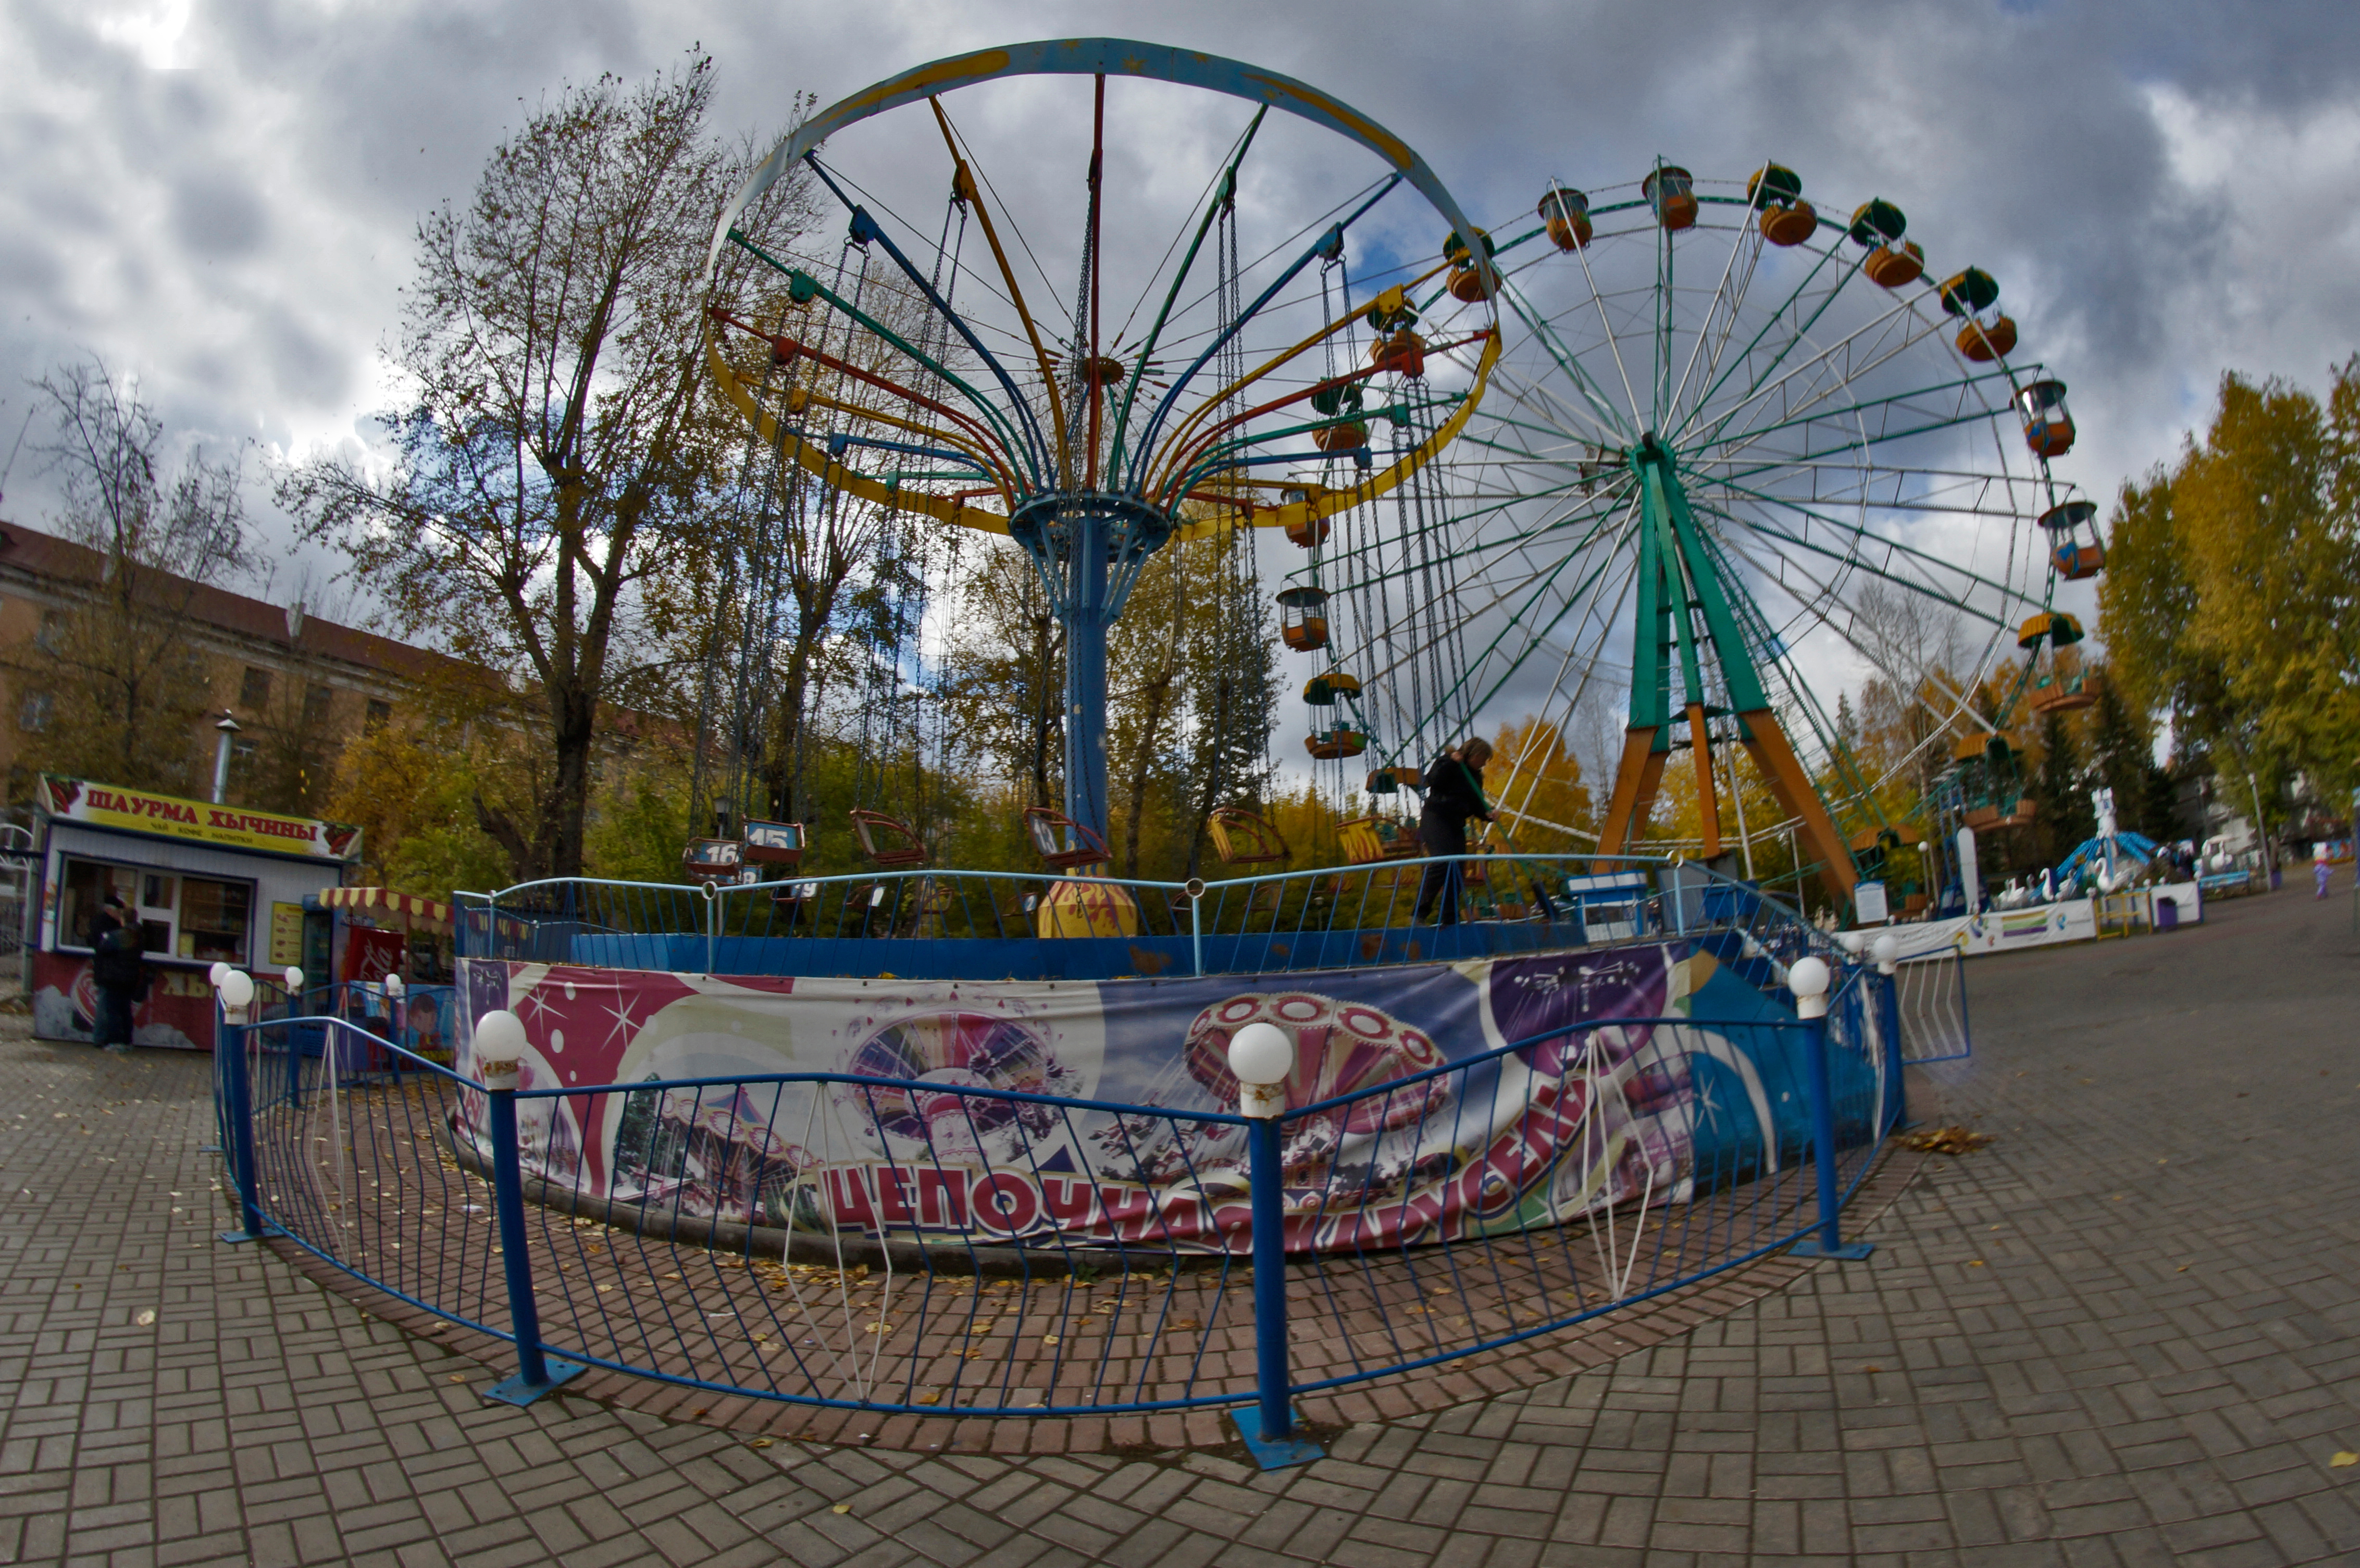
x=888, y=841
x=1063, y=842
x=1241, y=838
x=773, y=844
x=713, y=860
x=1370, y=840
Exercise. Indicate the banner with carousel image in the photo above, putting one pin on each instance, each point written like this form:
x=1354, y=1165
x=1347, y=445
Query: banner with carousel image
x=1615, y=1114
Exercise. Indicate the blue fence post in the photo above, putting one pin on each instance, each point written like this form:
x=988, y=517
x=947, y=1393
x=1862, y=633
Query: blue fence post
x=500, y=1034
x=1262, y=1057
x=237, y=1092
x=1897, y=1091
x=1809, y=980
x=1195, y=891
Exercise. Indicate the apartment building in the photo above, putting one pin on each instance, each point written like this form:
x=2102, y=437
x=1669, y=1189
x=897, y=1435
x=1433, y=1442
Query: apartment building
x=286, y=677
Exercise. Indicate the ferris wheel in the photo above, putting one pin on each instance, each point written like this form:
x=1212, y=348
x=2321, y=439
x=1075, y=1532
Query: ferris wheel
x=1727, y=431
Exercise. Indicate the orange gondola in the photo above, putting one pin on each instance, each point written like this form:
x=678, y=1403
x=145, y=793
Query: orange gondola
x=1783, y=216
x=2073, y=542
x=2048, y=426
x=1671, y=191
x=1567, y=214
x=1303, y=618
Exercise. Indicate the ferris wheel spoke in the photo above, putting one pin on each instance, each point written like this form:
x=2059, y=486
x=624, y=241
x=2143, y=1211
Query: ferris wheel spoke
x=1609, y=419
x=1844, y=361
x=1860, y=536
x=1800, y=333
x=1602, y=411
x=1817, y=606
x=1928, y=421
x=1746, y=243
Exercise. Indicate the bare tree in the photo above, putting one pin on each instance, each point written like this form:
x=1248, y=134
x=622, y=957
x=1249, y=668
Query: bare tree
x=555, y=448
x=113, y=684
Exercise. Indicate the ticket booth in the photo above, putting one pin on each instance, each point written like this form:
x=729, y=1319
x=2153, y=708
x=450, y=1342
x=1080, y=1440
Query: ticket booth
x=207, y=884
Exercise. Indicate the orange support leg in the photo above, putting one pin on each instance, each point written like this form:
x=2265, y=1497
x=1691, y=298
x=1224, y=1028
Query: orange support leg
x=1766, y=743
x=1707, y=802
x=1635, y=777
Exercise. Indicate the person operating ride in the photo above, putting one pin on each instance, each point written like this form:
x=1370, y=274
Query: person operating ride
x=1453, y=792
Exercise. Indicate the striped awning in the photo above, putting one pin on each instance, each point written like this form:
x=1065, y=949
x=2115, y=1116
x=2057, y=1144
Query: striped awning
x=410, y=911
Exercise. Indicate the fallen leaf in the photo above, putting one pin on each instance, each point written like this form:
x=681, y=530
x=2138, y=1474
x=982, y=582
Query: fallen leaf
x=2345, y=1460
x=878, y=1328
x=931, y=1397
x=841, y=1508
x=1871, y=1368
x=759, y=1442
x=1946, y=1140
x=1048, y=1339
x=147, y=1317
x=978, y=1329
x=458, y=1378
x=1975, y=1263
x=1186, y=1323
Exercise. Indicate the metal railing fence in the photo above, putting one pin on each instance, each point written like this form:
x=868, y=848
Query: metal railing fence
x=981, y=1252
x=948, y=924
x=1930, y=999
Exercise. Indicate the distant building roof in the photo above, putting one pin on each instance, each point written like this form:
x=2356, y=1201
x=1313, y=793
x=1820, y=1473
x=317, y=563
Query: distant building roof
x=45, y=558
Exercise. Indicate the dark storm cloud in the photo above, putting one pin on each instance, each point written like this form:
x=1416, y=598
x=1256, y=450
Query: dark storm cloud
x=2163, y=189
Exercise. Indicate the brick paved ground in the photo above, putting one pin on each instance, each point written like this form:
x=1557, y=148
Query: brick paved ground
x=2123, y=1333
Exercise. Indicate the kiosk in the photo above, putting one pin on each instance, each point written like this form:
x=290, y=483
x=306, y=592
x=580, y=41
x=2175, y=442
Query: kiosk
x=209, y=884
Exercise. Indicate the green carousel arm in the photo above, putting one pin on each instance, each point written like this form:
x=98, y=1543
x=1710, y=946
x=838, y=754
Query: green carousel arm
x=1225, y=191
x=804, y=286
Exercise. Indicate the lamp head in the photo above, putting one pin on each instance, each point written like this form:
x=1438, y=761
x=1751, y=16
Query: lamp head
x=1809, y=980
x=236, y=990
x=1886, y=949
x=294, y=978
x=213, y=975
x=499, y=1041
x=1261, y=1055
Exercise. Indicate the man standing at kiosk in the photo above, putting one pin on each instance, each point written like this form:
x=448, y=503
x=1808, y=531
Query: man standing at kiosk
x=117, y=972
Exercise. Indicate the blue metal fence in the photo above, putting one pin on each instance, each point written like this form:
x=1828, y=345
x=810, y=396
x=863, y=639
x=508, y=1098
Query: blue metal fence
x=1244, y=1262
x=960, y=925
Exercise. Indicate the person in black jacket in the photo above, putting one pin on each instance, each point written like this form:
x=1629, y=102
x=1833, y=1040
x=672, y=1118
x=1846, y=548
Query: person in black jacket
x=117, y=971
x=1453, y=792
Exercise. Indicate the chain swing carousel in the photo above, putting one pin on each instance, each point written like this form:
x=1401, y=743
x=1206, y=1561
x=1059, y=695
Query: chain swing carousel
x=1230, y=397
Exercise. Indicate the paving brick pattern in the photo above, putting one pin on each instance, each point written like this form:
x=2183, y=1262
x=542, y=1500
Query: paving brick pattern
x=2124, y=1332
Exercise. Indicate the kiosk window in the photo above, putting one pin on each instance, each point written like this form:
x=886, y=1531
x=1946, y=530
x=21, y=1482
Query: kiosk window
x=215, y=918
x=86, y=885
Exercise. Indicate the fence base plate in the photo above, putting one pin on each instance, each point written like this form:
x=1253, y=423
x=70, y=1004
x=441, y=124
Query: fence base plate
x=1274, y=1454
x=516, y=1391
x=1849, y=1251
x=235, y=1236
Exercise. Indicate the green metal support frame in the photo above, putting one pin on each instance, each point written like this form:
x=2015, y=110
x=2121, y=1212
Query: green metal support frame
x=1677, y=579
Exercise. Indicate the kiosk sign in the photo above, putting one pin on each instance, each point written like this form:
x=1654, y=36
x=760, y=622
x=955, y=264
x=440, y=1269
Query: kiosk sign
x=230, y=827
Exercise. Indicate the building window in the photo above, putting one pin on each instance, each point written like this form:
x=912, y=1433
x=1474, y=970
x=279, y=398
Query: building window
x=380, y=713
x=254, y=692
x=53, y=632
x=33, y=714
x=316, y=699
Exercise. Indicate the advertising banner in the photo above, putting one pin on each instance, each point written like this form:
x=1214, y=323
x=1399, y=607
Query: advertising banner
x=1615, y=1113
x=233, y=827
x=2007, y=930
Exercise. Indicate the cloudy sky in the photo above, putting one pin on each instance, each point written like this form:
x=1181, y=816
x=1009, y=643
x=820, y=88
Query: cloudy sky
x=221, y=199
